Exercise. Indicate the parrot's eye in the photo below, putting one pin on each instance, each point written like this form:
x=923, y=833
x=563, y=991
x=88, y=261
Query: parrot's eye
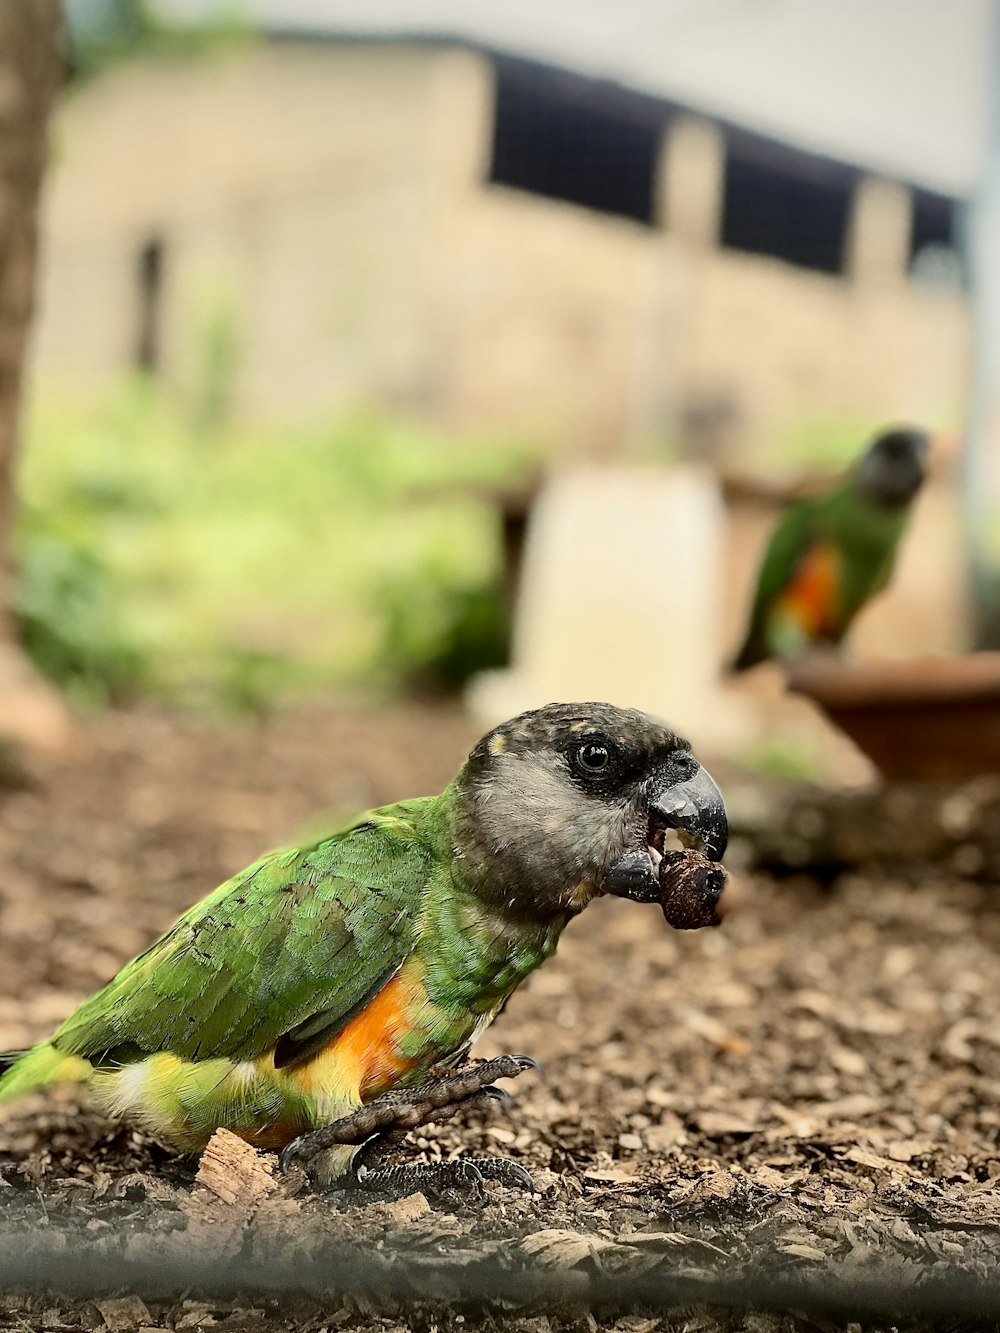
x=592, y=757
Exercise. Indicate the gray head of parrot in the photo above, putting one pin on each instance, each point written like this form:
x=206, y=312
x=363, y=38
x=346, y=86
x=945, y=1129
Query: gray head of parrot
x=894, y=467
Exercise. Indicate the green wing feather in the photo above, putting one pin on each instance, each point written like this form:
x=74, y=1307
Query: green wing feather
x=869, y=540
x=796, y=532
x=866, y=537
x=294, y=944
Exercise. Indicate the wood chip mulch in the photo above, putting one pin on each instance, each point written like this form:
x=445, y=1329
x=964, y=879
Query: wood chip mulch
x=796, y=1114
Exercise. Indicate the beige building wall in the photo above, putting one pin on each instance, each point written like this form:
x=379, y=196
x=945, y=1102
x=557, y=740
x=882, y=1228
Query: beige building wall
x=329, y=200
x=588, y=329
x=293, y=189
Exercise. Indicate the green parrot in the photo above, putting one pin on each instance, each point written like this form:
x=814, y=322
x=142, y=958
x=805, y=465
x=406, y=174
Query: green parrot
x=324, y=999
x=831, y=552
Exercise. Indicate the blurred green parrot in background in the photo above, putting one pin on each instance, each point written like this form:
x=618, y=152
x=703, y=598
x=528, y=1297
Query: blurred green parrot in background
x=324, y=999
x=833, y=551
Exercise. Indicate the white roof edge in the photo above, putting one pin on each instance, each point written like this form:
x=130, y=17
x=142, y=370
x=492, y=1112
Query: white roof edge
x=812, y=74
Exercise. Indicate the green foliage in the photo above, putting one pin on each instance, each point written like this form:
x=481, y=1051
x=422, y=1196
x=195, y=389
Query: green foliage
x=216, y=347
x=68, y=615
x=783, y=758
x=821, y=442
x=238, y=568
x=103, y=32
x=438, y=633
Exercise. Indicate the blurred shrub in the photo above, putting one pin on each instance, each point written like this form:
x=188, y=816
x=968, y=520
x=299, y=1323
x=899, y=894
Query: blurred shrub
x=238, y=568
x=215, y=340
x=783, y=758
x=65, y=602
x=437, y=633
x=103, y=32
x=817, y=442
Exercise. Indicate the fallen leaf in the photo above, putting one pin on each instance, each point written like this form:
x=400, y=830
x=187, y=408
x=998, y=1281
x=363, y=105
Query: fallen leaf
x=865, y=1157
x=769, y=1178
x=555, y=1247
x=720, y=1124
x=123, y=1314
x=400, y=1212
x=619, y=1173
x=802, y=1251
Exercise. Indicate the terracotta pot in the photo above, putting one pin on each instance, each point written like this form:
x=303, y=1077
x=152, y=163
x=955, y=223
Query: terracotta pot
x=928, y=717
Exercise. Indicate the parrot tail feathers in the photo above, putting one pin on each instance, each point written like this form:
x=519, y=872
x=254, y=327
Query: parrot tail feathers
x=22, y=1072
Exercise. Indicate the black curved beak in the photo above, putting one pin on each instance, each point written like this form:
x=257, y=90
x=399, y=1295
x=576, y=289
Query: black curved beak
x=694, y=806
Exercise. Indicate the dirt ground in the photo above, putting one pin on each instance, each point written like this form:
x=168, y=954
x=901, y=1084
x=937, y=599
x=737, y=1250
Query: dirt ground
x=797, y=1113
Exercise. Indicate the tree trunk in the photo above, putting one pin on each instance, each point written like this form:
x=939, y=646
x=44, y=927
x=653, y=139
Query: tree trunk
x=31, y=69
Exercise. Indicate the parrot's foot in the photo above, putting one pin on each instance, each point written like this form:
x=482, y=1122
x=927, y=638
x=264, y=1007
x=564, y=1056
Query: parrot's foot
x=434, y=1177
x=395, y=1113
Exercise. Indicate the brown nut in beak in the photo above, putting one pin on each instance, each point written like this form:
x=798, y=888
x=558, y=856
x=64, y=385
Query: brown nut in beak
x=690, y=888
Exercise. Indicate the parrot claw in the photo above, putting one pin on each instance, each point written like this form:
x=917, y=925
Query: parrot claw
x=290, y=1153
x=435, y=1177
x=525, y=1061
x=507, y=1172
x=392, y=1115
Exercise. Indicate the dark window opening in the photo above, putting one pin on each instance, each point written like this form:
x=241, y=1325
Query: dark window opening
x=786, y=204
x=575, y=139
x=149, y=283
x=934, y=241
x=934, y=221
